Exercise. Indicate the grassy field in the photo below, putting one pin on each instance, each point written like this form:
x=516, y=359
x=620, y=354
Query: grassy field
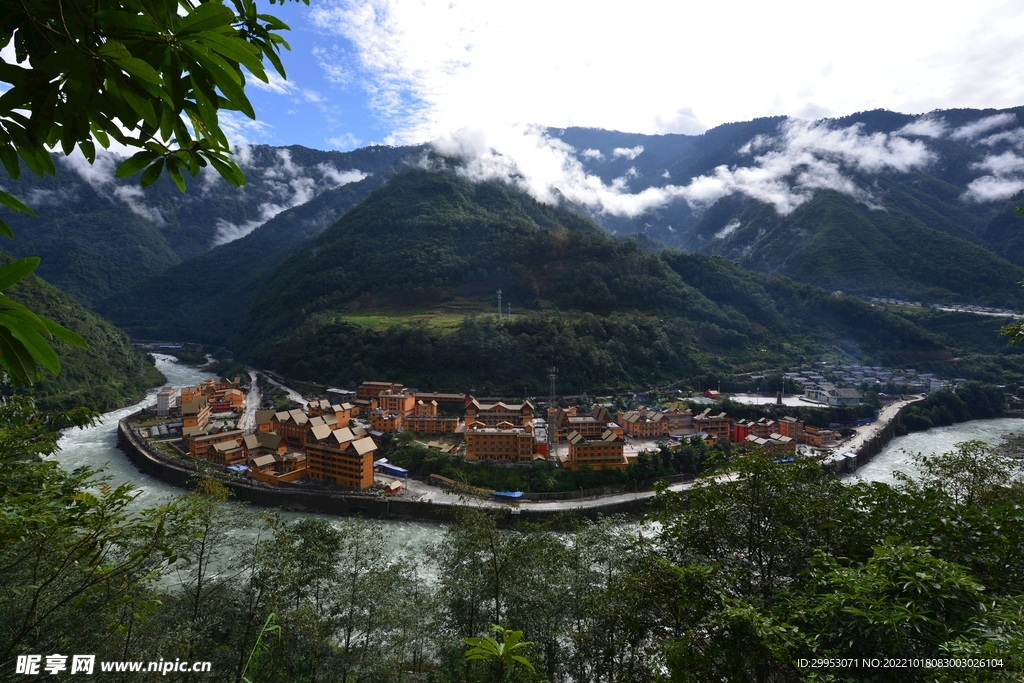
x=446, y=317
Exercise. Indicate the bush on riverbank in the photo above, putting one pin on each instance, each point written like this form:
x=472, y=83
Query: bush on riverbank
x=739, y=580
x=969, y=401
x=544, y=477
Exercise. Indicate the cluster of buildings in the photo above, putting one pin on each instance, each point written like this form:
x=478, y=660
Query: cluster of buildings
x=907, y=379
x=335, y=442
x=965, y=308
x=781, y=436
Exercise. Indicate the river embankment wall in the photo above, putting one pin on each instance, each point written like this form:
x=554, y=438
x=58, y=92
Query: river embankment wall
x=873, y=446
x=334, y=502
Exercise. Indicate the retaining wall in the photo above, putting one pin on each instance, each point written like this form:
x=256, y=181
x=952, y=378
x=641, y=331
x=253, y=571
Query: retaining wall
x=335, y=502
x=874, y=445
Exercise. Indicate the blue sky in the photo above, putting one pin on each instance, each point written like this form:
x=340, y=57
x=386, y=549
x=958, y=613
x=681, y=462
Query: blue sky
x=399, y=71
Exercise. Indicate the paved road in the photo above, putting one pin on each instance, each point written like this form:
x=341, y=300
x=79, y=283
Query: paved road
x=868, y=432
x=420, y=491
x=292, y=394
x=247, y=423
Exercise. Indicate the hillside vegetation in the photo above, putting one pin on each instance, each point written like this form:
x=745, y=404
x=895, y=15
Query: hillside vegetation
x=607, y=313
x=98, y=235
x=107, y=375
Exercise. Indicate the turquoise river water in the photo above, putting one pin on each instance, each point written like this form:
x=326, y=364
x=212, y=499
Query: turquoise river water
x=96, y=447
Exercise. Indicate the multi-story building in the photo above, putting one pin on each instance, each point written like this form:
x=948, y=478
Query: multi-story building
x=368, y=390
x=741, y=429
x=291, y=425
x=265, y=420
x=775, y=443
x=493, y=414
x=763, y=428
x=604, y=452
x=679, y=421
x=386, y=420
x=401, y=401
x=340, y=457
x=830, y=395
x=717, y=426
x=198, y=445
x=166, y=401
x=195, y=412
x=425, y=420
x=642, y=424
x=791, y=427
x=589, y=426
x=504, y=441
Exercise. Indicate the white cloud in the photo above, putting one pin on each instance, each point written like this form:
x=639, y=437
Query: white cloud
x=1014, y=137
x=925, y=126
x=429, y=68
x=805, y=157
x=280, y=86
x=100, y=176
x=976, y=128
x=1004, y=178
x=727, y=230
x=344, y=142
x=132, y=196
x=592, y=154
x=812, y=112
x=340, y=178
x=275, y=84
x=287, y=185
x=682, y=121
x=1001, y=164
x=628, y=152
x=993, y=188
x=241, y=130
x=96, y=174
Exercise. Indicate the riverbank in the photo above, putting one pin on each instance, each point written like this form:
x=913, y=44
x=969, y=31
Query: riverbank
x=421, y=503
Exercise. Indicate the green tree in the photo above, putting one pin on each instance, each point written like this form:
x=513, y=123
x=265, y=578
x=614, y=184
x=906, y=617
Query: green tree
x=151, y=75
x=504, y=653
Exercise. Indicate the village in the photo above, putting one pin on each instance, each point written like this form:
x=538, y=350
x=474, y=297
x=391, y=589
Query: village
x=335, y=440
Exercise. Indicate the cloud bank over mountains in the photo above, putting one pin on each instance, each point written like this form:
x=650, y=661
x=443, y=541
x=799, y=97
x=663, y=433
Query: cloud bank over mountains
x=281, y=184
x=784, y=169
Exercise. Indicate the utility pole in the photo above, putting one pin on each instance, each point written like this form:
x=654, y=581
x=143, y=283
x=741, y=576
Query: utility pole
x=553, y=407
x=499, y=304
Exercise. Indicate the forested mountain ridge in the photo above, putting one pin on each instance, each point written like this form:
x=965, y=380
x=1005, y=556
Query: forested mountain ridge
x=98, y=235
x=829, y=202
x=178, y=304
x=880, y=183
x=607, y=313
x=107, y=375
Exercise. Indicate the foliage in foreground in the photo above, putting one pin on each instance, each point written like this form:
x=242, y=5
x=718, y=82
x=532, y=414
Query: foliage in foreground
x=740, y=580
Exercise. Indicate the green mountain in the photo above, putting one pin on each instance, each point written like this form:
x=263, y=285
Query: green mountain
x=919, y=206
x=98, y=235
x=838, y=243
x=107, y=375
x=208, y=296
x=405, y=286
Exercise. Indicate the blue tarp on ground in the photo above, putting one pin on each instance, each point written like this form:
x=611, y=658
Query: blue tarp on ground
x=508, y=494
x=238, y=468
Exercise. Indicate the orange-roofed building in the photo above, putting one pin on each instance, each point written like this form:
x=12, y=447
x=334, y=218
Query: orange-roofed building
x=604, y=452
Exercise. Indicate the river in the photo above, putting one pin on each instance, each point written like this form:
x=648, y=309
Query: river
x=895, y=455
x=96, y=447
